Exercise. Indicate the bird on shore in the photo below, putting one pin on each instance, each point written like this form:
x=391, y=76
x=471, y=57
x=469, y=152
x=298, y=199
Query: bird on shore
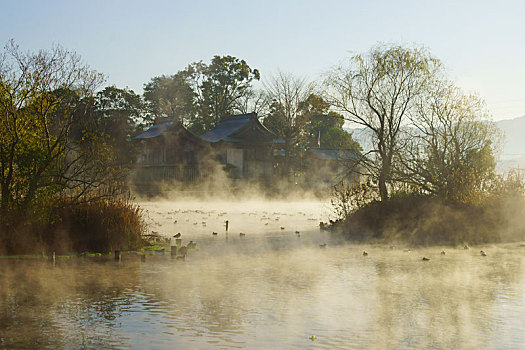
x=322, y=245
x=214, y=233
x=242, y=234
x=425, y=259
x=365, y=253
x=482, y=253
x=282, y=227
x=297, y=232
x=466, y=247
x=177, y=235
x=443, y=252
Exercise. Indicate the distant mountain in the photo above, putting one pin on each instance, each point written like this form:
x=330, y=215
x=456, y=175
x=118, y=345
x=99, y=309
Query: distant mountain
x=514, y=130
x=513, y=152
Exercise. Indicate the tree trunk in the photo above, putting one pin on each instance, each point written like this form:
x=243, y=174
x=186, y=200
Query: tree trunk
x=384, y=175
x=287, y=160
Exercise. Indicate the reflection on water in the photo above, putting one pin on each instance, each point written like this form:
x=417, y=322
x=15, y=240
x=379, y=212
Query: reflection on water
x=269, y=289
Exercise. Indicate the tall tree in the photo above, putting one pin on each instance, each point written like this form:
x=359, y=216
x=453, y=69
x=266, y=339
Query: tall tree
x=323, y=127
x=171, y=97
x=41, y=95
x=201, y=93
x=119, y=114
x=450, y=145
x=225, y=81
x=377, y=91
x=287, y=95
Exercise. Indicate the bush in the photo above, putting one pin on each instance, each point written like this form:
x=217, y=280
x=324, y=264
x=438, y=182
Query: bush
x=101, y=225
x=426, y=220
x=98, y=226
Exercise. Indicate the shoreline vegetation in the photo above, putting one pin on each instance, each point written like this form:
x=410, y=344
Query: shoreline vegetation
x=67, y=148
x=94, y=227
x=422, y=220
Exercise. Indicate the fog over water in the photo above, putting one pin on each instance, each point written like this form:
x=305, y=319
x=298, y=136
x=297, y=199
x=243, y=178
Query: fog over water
x=271, y=288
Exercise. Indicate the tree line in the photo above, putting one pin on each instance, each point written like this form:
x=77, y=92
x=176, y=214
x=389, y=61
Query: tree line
x=429, y=136
x=64, y=135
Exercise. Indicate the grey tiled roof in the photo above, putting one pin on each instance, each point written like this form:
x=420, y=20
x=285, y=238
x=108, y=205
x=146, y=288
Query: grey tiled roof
x=224, y=129
x=154, y=131
x=244, y=128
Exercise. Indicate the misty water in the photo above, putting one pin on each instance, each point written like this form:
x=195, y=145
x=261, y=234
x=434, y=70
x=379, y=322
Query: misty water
x=271, y=288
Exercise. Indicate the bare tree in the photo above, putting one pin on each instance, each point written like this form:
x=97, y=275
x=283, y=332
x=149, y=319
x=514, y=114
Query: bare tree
x=287, y=95
x=450, y=146
x=254, y=101
x=377, y=91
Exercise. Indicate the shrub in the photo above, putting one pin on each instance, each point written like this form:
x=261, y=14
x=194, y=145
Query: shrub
x=98, y=225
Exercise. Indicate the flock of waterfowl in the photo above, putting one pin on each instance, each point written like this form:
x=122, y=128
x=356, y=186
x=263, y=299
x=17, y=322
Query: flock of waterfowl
x=466, y=247
x=267, y=217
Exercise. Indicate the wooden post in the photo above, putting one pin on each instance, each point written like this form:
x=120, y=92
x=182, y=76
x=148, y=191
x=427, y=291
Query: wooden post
x=178, y=241
x=52, y=258
x=173, y=251
x=117, y=255
x=143, y=258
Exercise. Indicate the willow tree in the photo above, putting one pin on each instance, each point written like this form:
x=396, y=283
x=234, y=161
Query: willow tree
x=451, y=145
x=377, y=91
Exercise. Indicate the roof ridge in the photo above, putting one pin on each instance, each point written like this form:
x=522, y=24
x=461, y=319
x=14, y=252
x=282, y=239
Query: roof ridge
x=238, y=116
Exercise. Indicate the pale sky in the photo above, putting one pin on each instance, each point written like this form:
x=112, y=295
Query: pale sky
x=482, y=43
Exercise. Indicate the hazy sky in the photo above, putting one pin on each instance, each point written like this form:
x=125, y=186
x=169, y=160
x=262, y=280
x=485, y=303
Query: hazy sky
x=482, y=43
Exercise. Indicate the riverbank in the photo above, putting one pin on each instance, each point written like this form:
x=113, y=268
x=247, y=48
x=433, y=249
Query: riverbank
x=96, y=226
x=423, y=220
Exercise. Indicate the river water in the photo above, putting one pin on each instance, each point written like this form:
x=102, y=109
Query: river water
x=271, y=288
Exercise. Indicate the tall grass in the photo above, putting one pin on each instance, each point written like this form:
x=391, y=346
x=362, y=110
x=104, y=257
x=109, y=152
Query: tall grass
x=98, y=225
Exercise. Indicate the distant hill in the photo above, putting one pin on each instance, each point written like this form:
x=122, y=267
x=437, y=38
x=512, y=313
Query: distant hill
x=514, y=130
x=513, y=152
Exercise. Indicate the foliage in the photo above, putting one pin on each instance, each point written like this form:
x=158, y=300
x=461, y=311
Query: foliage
x=350, y=197
x=98, y=225
x=201, y=93
x=434, y=157
x=325, y=126
x=171, y=98
x=449, y=151
x=223, y=82
x=118, y=114
x=287, y=95
x=45, y=157
x=377, y=91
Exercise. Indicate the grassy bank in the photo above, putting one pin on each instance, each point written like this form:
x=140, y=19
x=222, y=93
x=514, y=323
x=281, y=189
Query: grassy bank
x=97, y=226
x=424, y=220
